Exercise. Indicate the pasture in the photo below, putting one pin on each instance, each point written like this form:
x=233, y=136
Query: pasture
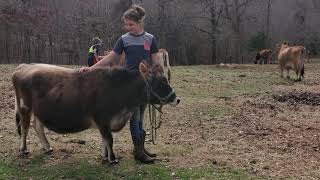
x=237, y=122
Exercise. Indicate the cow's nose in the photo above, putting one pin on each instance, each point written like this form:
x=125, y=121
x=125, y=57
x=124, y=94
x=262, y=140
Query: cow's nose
x=178, y=100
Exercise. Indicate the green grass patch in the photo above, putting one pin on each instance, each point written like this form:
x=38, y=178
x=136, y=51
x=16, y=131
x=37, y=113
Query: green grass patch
x=176, y=150
x=218, y=111
x=212, y=82
x=127, y=169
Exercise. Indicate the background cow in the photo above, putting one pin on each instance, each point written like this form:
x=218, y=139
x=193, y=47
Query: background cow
x=65, y=101
x=292, y=57
x=265, y=55
x=163, y=59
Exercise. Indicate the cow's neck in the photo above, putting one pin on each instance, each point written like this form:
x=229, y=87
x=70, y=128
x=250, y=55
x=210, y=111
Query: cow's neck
x=129, y=88
x=137, y=90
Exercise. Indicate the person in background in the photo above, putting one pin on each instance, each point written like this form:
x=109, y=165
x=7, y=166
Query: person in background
x=93, y=54
x=138, y=46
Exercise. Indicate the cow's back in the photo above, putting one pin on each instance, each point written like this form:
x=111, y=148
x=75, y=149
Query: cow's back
x=50, y=92
x=290, y=55
x=25, y=72
x=38, y=79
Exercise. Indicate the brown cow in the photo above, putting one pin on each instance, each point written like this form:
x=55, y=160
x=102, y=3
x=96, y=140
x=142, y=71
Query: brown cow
x=265, y=54
x=163, y=59
x=292, y=57
x=65, y=101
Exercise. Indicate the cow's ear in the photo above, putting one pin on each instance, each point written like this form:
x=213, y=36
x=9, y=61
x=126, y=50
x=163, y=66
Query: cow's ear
x=144, y=70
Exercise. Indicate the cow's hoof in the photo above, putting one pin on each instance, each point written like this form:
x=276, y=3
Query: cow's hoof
x=47, y=151
x=23, y=154
x=114, y=162
x=104, y=160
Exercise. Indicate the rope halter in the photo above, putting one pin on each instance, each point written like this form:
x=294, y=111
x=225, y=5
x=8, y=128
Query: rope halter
x=152, y=111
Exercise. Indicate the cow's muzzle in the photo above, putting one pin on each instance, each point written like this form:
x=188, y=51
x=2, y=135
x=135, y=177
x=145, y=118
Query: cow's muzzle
x=164, y=100
x=171, y=98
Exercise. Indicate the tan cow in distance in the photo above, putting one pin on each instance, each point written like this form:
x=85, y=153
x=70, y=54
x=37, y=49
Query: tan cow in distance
x=292, y=58
x=163, y=59
x=265, y=54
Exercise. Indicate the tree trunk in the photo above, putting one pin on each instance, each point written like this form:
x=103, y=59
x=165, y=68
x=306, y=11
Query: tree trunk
x=162, y=21
x=7, y=43
x=267, y=45
x=214, y=23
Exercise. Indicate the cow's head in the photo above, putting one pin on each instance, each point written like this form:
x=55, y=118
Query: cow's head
x=284, y=44
x=159, y=90
x=258, y=56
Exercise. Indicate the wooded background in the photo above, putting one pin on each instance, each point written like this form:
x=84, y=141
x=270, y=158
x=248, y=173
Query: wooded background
x=193, y=31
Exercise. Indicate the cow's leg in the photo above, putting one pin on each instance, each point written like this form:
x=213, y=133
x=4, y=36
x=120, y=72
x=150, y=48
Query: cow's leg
x=107, y=144
x=288, y=76
x=298, y=75
x=298, y=72
x=24, y=115
x=281, y=71
x=270, y=59
x=169, y=76
x=38, y=126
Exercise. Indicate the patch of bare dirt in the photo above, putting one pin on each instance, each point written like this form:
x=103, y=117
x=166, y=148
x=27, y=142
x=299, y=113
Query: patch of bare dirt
x=294, y=97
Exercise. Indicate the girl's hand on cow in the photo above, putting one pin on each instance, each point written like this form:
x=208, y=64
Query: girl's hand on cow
x=83, y=69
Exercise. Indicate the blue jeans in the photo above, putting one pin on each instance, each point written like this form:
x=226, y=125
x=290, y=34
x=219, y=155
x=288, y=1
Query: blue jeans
x=136, y=123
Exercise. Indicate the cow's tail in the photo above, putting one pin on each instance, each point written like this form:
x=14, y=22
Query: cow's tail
x=302, y=71
x=18, y=118
x=166, y=55
x=301, y=62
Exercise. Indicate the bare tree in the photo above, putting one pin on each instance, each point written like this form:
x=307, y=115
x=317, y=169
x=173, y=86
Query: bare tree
x=234, y=12
x=59, y=32
x=268, y=24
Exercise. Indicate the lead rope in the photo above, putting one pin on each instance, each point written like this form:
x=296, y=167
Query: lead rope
x=153, y=113
x=153, y=121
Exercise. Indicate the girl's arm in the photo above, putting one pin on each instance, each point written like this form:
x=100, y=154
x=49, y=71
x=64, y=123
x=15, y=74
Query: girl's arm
x=110, y=60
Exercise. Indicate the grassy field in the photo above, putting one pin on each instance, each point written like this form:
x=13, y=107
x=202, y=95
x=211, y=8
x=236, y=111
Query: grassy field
x=38, y=168
x=228, y=126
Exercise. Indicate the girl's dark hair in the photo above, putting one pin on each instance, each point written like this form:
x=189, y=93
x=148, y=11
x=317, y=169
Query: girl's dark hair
x=135, y=13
